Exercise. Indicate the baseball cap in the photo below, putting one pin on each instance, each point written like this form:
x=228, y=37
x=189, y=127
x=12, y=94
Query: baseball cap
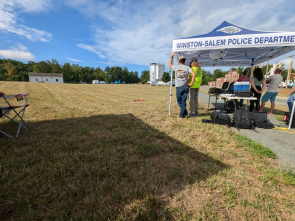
x=182, y=57
x=194, y=59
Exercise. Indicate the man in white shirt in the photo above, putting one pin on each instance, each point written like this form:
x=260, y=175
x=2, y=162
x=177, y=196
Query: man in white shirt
x=181, y=83
x=273, y=89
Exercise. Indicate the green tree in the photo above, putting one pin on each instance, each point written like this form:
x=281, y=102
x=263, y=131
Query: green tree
x=145, y=76
x=42, y=67
x=240, y=71
x=10, y=69
x=166, y=77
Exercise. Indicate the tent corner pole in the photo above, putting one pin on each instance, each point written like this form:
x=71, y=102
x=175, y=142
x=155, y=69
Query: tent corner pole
x=171, y=90
x=291, y=116
x=250, y=80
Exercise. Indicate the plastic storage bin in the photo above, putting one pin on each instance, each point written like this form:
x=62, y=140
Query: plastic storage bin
x=241, y=86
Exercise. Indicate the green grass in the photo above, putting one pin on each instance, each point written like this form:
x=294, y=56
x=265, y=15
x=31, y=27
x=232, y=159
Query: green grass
x=256, y=147
x=94, y=154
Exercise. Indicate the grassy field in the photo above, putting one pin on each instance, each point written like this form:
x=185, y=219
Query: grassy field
x=95, y=154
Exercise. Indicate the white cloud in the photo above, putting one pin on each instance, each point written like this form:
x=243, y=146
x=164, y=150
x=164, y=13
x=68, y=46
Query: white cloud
x=11, y=23
x=90, y=48
x=73, y=59
x=137, y=32
x=28, y=5
x=19, y=52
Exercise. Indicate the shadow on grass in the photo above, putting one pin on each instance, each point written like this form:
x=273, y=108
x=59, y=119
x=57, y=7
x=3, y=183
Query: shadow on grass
x=100, y=167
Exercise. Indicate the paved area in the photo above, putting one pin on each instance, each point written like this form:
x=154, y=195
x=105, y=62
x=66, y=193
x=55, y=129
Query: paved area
x=282, y=143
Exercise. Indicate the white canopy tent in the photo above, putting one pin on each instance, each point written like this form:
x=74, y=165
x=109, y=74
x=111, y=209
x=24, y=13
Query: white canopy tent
x=232, y=45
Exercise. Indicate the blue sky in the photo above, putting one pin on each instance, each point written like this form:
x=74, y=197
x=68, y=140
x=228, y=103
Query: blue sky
x=124, y=32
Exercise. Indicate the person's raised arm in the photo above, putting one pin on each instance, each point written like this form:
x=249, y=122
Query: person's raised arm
x=171, y=58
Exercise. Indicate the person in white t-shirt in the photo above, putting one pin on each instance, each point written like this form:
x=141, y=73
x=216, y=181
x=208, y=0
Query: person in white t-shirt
x=181, y=83
x=273, y=90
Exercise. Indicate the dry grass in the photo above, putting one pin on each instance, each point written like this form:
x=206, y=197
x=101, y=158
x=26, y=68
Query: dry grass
x=94, y=154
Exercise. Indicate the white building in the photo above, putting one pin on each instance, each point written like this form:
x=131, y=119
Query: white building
x=46, y=77
x=156, y=72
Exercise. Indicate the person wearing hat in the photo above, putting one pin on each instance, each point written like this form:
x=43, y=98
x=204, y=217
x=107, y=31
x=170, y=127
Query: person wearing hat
x=181, y=82
x=291, y=99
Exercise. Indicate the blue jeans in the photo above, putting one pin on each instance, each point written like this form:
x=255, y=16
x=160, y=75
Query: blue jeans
x=290, y=102
x=241, y=102
x=181, y=95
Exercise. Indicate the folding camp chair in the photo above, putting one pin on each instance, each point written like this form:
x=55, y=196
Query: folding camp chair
x=18, y=110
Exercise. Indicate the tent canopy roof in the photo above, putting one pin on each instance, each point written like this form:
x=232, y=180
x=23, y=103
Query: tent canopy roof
x=232, y=45
x=226, y=28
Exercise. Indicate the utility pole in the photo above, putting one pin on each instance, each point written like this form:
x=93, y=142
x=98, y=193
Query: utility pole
x=289, y=71
x=266, y=68
x=253, y=70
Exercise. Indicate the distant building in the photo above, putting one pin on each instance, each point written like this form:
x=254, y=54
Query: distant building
x=156, y=72
x=232, y=75
x=46, y=77
x=219, y=81
x=211, y=84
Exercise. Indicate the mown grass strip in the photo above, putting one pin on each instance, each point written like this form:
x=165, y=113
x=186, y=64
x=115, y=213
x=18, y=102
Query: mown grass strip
x=256, y=147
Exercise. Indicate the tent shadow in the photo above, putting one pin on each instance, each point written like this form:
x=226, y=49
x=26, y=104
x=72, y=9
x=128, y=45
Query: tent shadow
x=100, y=167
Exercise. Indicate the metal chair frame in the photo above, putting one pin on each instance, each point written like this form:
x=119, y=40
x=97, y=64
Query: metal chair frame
x=20, y=114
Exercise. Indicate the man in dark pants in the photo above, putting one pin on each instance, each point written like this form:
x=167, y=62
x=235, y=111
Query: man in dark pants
x=181, y=83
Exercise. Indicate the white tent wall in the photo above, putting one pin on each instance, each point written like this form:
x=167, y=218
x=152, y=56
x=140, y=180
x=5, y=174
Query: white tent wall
x=231, y=45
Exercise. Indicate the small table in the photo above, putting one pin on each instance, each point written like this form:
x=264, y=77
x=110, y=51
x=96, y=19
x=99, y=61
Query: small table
x=233, y=97
x=213, y=94
x=8, y=108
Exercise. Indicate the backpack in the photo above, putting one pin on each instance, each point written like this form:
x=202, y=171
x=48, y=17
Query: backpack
x=242, y=119
x=230, y=106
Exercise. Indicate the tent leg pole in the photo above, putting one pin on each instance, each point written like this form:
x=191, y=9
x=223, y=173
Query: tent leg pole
x=291, y=116
x=249, y=87
x=170, y=96
x=171, y=90
x=250, y=82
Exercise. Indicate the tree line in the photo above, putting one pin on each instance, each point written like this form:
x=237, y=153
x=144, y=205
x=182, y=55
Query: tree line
x=12, y=70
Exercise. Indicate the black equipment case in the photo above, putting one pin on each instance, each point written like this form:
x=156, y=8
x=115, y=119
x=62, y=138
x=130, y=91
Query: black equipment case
x=220, y=118
x=261, y=121
x=224, y=91
x=243, y=93
x=259, y=117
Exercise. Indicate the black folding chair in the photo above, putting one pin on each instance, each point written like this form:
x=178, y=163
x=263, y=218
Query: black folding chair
x=18, y=110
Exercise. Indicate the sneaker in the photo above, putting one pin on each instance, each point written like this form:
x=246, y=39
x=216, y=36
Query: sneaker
x=195, y=115
x=191, y=114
